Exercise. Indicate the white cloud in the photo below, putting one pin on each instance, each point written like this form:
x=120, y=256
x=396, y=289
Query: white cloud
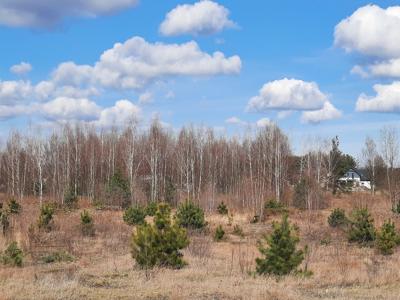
x=13, y=92
x=69, y=73
x=387, y=99
x=21, y=69
x=371, y=31
x=146, y=98
x=136, y=63
x=8, y=111
x=235, y=121
x=64, y=109
x=120, y=114
x=263, y=122
x=327, y=112
x=201, y=18
x=389, y=68
x=47, y=13
x=288, y=94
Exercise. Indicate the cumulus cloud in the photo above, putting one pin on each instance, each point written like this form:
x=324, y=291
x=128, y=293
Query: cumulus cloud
x=287, y=94
x=327, y=112
x=372, y=31
x=47, y=13
x=201, y=18
x=65, y=109
x=136, y=63
x=14, y=92
x=387, y=99
x=120, y=114
x=21, y=68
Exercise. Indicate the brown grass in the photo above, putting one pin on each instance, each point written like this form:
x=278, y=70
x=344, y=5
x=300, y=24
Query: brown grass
x=104, y=269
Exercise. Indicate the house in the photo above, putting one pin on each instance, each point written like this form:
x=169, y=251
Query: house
x=357, y=177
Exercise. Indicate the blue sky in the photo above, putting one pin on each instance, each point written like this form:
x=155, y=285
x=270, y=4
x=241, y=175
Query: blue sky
x=272, y=40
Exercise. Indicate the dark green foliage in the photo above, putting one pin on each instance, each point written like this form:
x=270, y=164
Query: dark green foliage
x=237, y=230
x=46, y=216
x=59, y=256
x=219, y=233
x=87, y=224
x=151, y=208
x=387, y=238
x=4, y=221
x=272, y=207
x=281, y=256
x=13, y=255
x=14, y=207
x=189, y=215
x=222, y=209
x=118, y=192
x=362, y=229
x=337, y=218
x=134, y=215
x=340, y=162
x=159, y=244
x=70, y=199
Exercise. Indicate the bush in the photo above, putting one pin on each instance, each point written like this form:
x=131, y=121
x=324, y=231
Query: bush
x=219, y=233
x=222, y=209
x=362, y=229
x=14, y=207
x=158, y=244
x=46, y=216
x=387, y=238
x=13, y=255
x=70, y=199
x=237, y=230
x=87, y=224
x=337, y=218
x=59, y=256
x=134, y=215
x=191, y=216
x=151, y=208
x=272, y=207
x=281, y=256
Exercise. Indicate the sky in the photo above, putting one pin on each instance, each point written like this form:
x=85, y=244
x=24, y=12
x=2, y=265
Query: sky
x=316, y=68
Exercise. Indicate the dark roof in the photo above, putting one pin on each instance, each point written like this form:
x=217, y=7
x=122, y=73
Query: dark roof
x=361, y=173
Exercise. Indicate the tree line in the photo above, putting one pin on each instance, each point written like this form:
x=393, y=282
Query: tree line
x=158, y=164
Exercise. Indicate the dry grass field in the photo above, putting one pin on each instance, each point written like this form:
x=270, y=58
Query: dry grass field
x=104, y=269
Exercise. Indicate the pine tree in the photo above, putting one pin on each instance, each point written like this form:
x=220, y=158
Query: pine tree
x=87, y=223
x=387, y=238
x=14, y=207
x=189, y=215
x=159, y=244
x=281, y=256
x=219, y=233
x=362, y=229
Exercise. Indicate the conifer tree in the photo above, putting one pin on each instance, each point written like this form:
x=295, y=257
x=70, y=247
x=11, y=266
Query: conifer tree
x=281, y=256
x=362, y=229
x=159, y=244
x=387, y=238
